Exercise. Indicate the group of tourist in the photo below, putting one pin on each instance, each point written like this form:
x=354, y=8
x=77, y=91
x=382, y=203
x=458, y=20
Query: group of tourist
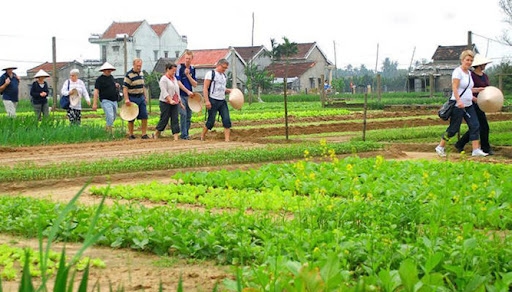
x=176, y=87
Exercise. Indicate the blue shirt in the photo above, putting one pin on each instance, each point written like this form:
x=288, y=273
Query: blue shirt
x=11, y=91
x=180, y=75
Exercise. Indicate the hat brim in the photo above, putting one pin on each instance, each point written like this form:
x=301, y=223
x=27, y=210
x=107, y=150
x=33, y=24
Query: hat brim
x=236, y=98
x=195, y=102
x=129, y=112
x=490, y=99
x=7, y=68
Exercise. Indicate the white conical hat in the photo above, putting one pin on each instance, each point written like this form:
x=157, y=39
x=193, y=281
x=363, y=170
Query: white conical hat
x=106, y=66
x=41, y=73
x=480, y=60
x=490, y=99
x=195, y=102
x=236, y=98
x=129, y=113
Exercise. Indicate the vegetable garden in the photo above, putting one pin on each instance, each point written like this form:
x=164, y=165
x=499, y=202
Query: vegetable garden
x=329, y=209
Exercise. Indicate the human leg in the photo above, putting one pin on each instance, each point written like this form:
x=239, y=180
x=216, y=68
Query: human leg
x=37, y=110
x=45, y=109
x=226, y=120
x=10, y=108
x=110, y=109
x=165, y=114
x=175, y=123
x=185, y=115
x=453, y=128
x=484, y=130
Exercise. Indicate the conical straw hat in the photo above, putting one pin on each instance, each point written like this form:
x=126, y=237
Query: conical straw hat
x=129, y=113
x=106, y=66
x=195, y=102
x=41, y=73
x=236, y=98
x=490, y=99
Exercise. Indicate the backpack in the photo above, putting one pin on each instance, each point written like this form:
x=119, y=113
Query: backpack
x=181, y=71
x=213, y=82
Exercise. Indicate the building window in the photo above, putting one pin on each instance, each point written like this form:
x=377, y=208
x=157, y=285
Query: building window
x=166, y=54
x=155, y=55
x=115, y=49
x=177, y=54
x=138, y=53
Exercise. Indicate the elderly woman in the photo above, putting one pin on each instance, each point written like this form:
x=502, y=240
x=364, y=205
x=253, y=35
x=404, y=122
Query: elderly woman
x=169, y=102
x=39, y=94
x=76, y=89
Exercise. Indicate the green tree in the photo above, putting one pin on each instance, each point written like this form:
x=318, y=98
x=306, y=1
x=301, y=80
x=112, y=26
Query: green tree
x=257, y=80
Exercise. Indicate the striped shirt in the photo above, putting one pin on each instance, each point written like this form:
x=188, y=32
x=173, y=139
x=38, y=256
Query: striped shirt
x=134, y=81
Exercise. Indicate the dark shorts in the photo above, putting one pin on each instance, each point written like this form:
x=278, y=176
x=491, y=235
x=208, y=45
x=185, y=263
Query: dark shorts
x=140, y=101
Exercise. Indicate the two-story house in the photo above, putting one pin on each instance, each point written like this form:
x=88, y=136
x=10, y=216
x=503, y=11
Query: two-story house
x=124, y=41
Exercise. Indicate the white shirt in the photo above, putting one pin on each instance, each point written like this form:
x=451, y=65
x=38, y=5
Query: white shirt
x=168, y=87
x=467, y=97
x=217, y=86
x=75, y=101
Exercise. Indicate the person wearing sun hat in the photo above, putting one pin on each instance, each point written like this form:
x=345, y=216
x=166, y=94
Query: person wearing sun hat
x=39, y=94
x=106, y=89
x=481, y=81
x=9, y=88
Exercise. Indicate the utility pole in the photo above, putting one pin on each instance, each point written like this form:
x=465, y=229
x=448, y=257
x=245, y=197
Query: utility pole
x=335, y=61
x=55, y=76
x=410, y=66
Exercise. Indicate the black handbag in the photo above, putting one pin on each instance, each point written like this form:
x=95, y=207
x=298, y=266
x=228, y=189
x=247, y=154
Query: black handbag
x=445, y=112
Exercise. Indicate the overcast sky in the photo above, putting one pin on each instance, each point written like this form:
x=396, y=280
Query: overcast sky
x=348, y=32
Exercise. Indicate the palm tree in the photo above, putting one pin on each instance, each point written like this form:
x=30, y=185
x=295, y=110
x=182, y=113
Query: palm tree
x=278, y=53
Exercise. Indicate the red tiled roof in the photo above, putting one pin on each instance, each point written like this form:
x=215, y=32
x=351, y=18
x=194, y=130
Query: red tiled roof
x=120, y=28
x=205, y=58
x=159, y=28
x=294, y=69
x=48, y=67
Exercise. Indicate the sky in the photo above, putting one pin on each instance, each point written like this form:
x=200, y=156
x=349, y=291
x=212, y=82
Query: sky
x=358, y=32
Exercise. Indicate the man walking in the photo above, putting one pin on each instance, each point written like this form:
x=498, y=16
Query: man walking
x=9, y=88
x=186, y=76
x=134, y=91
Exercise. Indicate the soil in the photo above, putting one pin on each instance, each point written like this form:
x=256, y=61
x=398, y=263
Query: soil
x=136, y=271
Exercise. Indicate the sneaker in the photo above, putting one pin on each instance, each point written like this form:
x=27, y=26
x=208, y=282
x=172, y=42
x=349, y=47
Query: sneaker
x=440, y=151
x=131, y=137
x=479, y=153
x=490, y=152
x=145, y=137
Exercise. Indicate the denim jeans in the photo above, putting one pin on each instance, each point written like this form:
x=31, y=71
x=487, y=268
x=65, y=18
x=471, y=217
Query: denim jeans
x=185, y=117
x=110, y=109
x=469, y=115
x=220, y=106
